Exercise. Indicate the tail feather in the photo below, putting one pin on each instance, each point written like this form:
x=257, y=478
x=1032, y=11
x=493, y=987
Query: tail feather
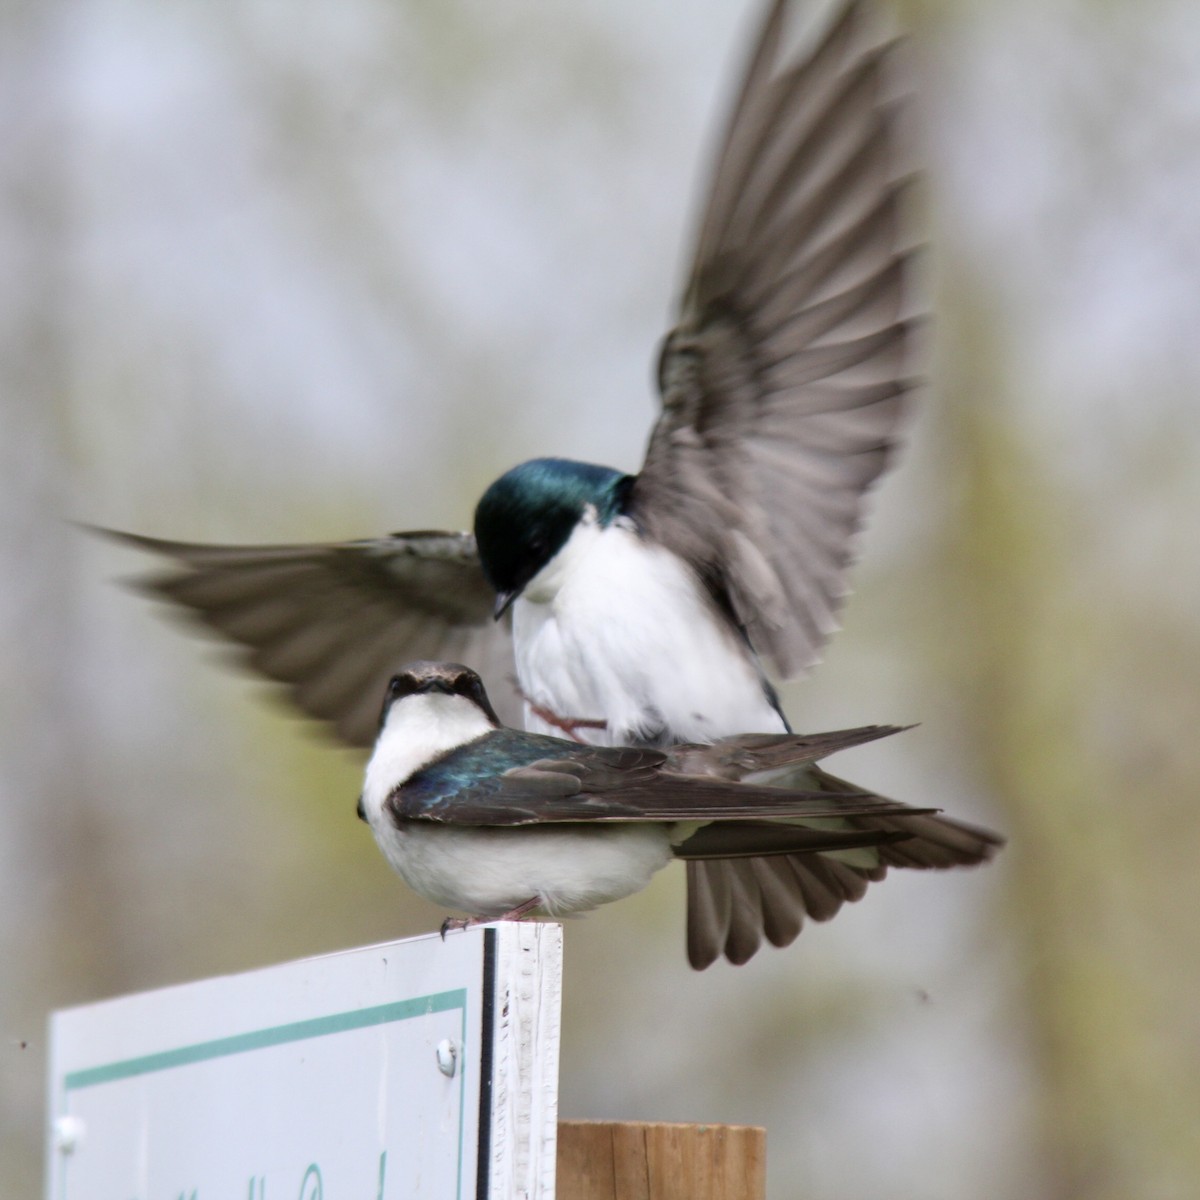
x=782, y=900
x=734, y=903
x=709, y=908
x=746, y=916
x=826, y=884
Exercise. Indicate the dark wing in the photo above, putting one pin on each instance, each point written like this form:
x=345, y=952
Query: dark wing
x=752, y=753
x=934, y=842
x=726, y=840
x=593, y=784
x=782, y=383
x=334, y=621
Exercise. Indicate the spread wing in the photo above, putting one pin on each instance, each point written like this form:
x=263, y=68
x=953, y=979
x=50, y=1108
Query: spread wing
x=782, y=383
x=334, y=622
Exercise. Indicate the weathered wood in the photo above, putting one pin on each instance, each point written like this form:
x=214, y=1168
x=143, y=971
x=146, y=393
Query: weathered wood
x=653, y=1160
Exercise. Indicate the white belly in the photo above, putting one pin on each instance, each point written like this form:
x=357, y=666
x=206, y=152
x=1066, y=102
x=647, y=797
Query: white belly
x=626, y=636
x=487, y=872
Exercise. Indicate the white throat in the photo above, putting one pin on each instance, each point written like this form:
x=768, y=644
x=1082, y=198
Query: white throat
x=546, y=584
x=418, y=729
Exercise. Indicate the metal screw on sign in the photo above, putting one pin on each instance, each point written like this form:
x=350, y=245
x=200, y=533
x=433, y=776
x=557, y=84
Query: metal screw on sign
x=68, y=1133
x=447, y=1057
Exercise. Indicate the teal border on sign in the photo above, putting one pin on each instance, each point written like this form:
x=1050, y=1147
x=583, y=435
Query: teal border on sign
x=275, y=1035
x=281, y=1035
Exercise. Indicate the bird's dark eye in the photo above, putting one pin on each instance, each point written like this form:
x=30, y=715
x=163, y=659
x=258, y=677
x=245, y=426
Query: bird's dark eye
x=396, y=687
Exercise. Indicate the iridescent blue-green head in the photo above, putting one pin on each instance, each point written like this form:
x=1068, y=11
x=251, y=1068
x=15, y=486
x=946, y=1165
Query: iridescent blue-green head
x=525, y=518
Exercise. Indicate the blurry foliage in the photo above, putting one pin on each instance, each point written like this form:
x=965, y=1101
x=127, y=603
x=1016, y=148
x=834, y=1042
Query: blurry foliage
x=1077, y=703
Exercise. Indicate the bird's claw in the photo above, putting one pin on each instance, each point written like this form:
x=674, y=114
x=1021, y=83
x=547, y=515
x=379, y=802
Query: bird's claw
x=451, y=924
x=568, y=725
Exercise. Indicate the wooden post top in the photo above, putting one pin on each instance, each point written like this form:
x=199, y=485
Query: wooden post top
x=655, y=1160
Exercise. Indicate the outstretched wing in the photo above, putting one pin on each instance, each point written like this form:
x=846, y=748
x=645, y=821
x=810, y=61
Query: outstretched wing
x=333, y=622
x=782, y=383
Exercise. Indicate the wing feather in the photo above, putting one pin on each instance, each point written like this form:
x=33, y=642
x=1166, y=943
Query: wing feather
x=509, y=778
x=533, y=795
x=784, y=380
x=334, y=621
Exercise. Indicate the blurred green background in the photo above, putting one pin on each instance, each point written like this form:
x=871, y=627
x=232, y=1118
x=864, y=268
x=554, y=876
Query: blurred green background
x=292, y=272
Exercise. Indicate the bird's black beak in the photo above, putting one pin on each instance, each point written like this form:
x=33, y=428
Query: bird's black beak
x=504, y=603
x=362, y=814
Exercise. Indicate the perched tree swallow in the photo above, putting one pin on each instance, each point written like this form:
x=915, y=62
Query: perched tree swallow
x=649, y=608
x=498, y=823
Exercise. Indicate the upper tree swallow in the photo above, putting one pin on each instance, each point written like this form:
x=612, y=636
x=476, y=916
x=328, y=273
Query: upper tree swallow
x=498, y=823
x=650, y=608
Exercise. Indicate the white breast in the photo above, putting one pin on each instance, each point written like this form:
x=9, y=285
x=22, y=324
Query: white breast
x=617, y=629
x=488, y=872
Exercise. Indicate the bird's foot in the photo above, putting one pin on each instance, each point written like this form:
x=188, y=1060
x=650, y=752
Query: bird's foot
x=569, y=725
x=514, y=914
x=522, y=910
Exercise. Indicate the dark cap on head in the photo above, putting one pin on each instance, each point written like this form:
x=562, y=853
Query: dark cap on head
x=448, y=678
x=525, y=518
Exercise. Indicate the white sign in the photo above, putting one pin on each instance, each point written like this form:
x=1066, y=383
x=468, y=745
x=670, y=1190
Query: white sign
x=420, y=1068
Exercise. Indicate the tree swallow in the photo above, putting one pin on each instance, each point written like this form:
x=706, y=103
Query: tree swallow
x=655, y=608
x=498, y=823
x=645, y=607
